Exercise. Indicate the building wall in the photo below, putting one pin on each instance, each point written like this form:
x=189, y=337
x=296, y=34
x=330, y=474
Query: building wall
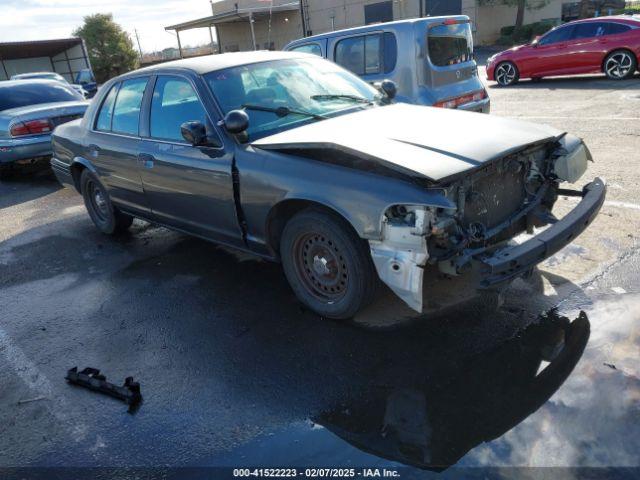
x=285, y=27
x=328, y=15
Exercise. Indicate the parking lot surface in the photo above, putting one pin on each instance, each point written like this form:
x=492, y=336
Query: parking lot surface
x=235, y=373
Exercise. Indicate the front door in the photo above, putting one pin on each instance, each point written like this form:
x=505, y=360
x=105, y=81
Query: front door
x=187, y=187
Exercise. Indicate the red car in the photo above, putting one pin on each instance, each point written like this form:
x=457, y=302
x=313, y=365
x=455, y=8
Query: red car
x=606, y=44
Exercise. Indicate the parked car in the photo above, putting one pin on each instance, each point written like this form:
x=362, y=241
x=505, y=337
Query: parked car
x=430, y=59
x=51, y=76
x=88, y=82
x=610, y=45
x=29, y=111
x=297, y=160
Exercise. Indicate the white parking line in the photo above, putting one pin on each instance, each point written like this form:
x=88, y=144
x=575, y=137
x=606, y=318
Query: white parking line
x=40, y=386
x=555, y=117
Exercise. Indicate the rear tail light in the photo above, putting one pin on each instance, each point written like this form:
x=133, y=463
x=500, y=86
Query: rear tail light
x=457, y=101
x=31, y=127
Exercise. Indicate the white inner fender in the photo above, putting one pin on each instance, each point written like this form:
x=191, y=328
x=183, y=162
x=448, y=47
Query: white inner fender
x=400, y=258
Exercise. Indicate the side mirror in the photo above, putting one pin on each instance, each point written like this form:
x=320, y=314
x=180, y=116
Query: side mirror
x=389, y=88
x=194, y=132
x=236, y=122
x=535, y=42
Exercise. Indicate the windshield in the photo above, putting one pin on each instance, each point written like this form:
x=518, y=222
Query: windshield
x=450, y=44
x=23, y=94
x=289, y=92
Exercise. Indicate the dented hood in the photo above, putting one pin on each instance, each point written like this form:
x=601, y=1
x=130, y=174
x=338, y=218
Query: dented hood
x=433, y=143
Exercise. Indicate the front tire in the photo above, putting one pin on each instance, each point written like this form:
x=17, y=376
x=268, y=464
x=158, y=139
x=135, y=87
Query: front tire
x=620, y=65
x=327, y=265
x=102, y=212
x=506, y=73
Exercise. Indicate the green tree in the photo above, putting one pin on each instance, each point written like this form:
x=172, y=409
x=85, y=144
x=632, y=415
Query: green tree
x=521, y=4
x=110, y=48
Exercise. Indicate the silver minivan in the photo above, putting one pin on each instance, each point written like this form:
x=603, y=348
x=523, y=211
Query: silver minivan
x=430, y=59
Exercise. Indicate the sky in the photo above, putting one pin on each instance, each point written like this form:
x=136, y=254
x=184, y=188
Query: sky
x=47, y=19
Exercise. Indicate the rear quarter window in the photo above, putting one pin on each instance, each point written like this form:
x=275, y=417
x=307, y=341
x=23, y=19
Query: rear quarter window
x=313, y=48
x=103, y=122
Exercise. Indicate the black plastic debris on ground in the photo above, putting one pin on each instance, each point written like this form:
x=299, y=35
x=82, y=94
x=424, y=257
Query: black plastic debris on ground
x=92, y=379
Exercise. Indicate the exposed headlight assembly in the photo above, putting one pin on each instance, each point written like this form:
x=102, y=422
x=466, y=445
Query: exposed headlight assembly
x=570, y=166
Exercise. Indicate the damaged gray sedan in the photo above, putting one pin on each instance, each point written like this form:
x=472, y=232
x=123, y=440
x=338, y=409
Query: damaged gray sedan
x=294, y=159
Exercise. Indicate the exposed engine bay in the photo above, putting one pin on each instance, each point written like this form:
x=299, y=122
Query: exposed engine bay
x=494, y=203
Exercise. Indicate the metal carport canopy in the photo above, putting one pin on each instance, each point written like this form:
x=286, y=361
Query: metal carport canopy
x=237, y=15
x=36, y=48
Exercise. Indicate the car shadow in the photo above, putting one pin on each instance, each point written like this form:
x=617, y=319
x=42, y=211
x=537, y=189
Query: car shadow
x=579, y=82
x=23, y=187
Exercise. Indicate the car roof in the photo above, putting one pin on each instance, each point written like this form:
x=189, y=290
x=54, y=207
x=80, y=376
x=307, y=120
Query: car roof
x=629, y=19
x=28, y=81
x=31, y=74
x=210, y=63
x=379, y=26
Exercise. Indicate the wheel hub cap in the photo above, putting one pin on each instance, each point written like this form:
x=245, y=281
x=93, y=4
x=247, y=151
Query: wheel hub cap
x=321, y=266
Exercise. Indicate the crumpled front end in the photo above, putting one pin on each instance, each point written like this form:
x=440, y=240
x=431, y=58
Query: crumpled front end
x=494, y=204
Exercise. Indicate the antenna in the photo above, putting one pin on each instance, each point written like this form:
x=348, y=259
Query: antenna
x=138, y=40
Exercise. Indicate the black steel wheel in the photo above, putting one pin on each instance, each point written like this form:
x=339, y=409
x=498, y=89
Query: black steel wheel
x=328, y=266
x=103, y=214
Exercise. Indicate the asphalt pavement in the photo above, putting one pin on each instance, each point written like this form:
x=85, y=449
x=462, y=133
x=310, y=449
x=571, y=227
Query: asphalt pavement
x=235, y=373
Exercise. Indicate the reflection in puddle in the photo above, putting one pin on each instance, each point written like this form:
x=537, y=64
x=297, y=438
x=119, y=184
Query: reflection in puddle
x=430, y=416
x=435, y=421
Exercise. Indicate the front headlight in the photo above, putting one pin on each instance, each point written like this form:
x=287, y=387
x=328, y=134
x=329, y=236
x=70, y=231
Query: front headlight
x=572, y=165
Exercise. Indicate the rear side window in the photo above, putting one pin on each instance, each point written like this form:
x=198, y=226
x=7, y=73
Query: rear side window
x=361, y=55
x=588, y=30
x=450, y=44
x=615, y=28
x=126, y=113
x=313, y=48
x=105, y=115
x=174, y=102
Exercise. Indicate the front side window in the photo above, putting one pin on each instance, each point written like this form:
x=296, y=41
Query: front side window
x=126, y=113
x=361, y=55
x=313, y=48
x=450, y=44
x=174, y=102
x=588, y=30
x=105, y=115
x=557, y=35
x=310, y=85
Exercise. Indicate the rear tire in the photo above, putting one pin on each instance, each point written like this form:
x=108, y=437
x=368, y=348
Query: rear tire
x=328, y=266
x=102, y=212
x=506, y=74
x=5, y=171
x=620, y=65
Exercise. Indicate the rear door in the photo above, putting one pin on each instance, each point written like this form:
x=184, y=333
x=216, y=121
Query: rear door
x=585, y=46
x=187, y=187
x=371, y=56
x=113, y=143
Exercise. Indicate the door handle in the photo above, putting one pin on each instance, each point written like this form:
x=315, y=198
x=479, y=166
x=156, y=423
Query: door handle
x=94, y=150
x=146, y=160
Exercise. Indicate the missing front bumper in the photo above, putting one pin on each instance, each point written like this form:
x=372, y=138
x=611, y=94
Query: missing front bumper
x=511, y=262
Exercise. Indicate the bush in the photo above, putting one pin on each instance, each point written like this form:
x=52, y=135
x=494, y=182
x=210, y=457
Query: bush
x=510, y=35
